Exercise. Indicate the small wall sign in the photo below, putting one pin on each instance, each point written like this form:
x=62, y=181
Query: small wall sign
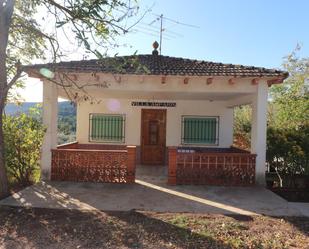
x=153, y=104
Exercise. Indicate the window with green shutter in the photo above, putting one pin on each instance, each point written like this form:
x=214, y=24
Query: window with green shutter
x=107, y=128
x=200, y=130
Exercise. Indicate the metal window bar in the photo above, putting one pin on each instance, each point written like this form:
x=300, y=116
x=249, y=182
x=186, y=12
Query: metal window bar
x=200, y=130
x=107, y=128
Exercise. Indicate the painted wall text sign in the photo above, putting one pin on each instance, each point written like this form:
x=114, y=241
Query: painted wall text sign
x=153, y=104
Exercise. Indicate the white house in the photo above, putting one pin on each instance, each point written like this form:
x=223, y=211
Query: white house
x=156, y=102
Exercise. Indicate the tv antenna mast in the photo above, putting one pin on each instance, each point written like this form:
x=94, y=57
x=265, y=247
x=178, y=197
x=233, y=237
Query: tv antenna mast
x=150, y=29
x=161, y=30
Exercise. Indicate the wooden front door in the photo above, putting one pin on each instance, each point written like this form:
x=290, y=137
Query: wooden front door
x=153, y=136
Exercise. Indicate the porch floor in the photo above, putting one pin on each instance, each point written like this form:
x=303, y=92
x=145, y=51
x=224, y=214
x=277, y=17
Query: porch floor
x=152, y=173
x=158, y=197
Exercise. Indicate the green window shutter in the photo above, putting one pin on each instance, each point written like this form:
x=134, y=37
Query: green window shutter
x=108, y=128
x=199, y=130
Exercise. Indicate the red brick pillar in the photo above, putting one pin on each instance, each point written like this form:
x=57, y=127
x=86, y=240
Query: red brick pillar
x=131, y=164
x=172, y=165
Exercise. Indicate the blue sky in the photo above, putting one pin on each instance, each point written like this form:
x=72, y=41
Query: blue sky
x=258, y=33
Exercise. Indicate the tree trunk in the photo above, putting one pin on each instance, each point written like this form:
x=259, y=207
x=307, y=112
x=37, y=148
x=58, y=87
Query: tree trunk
x=6, y=12
x=4, y=188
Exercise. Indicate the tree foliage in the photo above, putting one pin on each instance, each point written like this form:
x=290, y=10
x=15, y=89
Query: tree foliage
x=288, y=132
x=290, y=100
x=242, y=126
x=23, y=136
x=288, y=150
x=39, y=27
x=288, y=120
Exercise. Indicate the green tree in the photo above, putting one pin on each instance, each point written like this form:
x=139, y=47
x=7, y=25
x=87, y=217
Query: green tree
x=94, y=23
x=288, y=105
x=288, y=122
x=290, y=100
x=23, y=136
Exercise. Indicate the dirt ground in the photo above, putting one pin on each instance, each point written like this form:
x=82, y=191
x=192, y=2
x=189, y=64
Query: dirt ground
x=53, y=228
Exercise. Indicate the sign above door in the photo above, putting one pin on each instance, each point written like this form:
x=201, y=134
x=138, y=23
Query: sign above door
x=153, y=104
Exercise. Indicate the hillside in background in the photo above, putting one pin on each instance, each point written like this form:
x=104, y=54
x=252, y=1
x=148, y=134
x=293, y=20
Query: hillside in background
x=66, y=118
x=64, y=108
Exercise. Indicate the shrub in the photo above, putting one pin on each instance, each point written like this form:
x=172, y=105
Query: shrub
x=288, y=150
x=23, y=136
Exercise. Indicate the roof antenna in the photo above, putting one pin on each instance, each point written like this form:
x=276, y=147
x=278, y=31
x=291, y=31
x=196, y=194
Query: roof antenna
x=163, y=29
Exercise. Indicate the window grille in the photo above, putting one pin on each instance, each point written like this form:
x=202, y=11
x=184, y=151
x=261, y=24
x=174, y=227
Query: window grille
x=200, y=130
x=107, y=127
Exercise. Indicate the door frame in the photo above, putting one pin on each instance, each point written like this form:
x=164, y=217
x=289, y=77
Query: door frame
x=141, y=133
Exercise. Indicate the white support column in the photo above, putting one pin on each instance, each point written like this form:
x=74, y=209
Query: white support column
x=50, y=121
x=259, y=129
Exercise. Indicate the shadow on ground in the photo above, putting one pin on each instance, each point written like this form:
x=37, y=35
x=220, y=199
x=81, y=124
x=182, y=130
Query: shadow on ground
x=56, y=228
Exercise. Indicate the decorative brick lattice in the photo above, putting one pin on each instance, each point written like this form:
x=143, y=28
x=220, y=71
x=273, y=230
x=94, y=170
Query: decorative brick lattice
x=222, y=169
x=114, y=166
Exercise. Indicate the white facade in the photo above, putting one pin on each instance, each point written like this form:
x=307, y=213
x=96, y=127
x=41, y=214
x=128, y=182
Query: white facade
x=173, y=122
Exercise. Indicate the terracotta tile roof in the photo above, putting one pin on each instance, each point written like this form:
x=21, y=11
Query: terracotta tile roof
x=160, y=65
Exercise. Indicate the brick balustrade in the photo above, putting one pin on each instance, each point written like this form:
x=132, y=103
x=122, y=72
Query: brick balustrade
x=73, y=162
x=226, y=167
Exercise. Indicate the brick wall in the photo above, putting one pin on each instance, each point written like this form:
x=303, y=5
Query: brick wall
x=227, y=168
x=94, y=164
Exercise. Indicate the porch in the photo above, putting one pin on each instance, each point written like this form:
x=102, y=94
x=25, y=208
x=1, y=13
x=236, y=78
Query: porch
x=185, y=165
x=201, y=129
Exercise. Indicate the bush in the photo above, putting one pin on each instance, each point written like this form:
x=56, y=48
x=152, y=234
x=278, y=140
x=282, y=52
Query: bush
x=23, y=136
x=288, y=150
